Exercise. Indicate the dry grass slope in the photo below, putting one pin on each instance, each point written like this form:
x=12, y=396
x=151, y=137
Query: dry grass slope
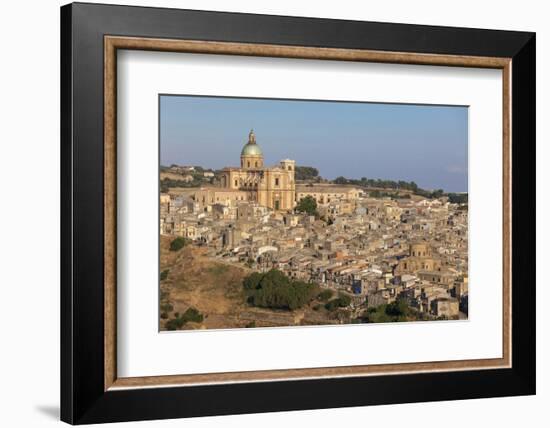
x=215, y=289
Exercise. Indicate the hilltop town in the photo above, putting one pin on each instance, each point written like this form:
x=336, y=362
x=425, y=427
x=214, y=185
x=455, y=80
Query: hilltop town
x=371, y=254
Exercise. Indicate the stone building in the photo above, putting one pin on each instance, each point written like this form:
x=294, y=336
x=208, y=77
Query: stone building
x=272, y=187
x=324, y=194
x=420, y=258
x=446, y=307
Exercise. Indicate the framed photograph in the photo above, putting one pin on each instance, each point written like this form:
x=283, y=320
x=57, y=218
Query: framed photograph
x=266, y=213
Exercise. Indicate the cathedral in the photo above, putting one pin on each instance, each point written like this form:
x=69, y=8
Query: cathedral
x=273, y=187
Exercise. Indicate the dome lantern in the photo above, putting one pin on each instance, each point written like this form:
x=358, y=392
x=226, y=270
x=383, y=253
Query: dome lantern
x=251, y=154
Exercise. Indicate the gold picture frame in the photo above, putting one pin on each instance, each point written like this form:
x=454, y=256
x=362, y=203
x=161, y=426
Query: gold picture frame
x=114, y=43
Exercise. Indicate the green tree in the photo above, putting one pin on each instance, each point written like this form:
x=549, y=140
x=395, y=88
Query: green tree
x=345, y=300
x=436, y=194
x=398, y=308
x=458, y=198
x=341, y=180
x=341, y=301
x=306, y=173
x=274, y=289
x=252, y=281
x=307, y=205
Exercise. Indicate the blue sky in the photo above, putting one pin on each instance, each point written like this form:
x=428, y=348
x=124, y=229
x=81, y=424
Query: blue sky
x=425, y=144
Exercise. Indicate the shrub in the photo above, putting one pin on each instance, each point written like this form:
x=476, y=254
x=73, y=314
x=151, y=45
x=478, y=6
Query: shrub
x=164, y=274
x=180, y=322
x=193, y=315
x=340, y=302
x=345, y=300
x=325, y=295
x=190, y=315
x=174, y=324
x=166, y=307
x=392, y=312
x=178, y=243
x=332, y=305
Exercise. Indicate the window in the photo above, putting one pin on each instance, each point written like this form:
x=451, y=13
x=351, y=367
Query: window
x=289, y=168
x=276, y=182
x=256, y=164
x=236, y=183
x=248, y=163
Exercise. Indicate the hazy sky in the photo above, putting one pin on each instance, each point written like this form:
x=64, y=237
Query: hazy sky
x=425, y=144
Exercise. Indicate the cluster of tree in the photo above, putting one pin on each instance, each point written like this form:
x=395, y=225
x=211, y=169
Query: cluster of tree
x=411, y=186
x=167, y=183
x=393, y=195
x=275, y=290
x=307, y=205
x=458, y=198
x=164, y=168
x=197, y=174
x=433, y=194
x=383, y=184
x=178, y=243
x=306, y=173
x=179, y=320
x=397, y=311
x=341, y=301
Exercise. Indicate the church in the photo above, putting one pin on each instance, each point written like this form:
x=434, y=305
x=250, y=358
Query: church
x=273, y=187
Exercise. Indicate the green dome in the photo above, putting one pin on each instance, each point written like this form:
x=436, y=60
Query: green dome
x=251, y=148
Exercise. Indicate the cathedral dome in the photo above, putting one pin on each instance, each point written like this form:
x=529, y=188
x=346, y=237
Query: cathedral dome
x=251, y=148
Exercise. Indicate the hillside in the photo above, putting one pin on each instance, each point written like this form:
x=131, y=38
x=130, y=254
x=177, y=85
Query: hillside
x=215, y=289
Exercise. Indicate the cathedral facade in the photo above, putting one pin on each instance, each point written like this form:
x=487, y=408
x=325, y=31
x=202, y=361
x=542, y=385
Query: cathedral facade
x=273, y=187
